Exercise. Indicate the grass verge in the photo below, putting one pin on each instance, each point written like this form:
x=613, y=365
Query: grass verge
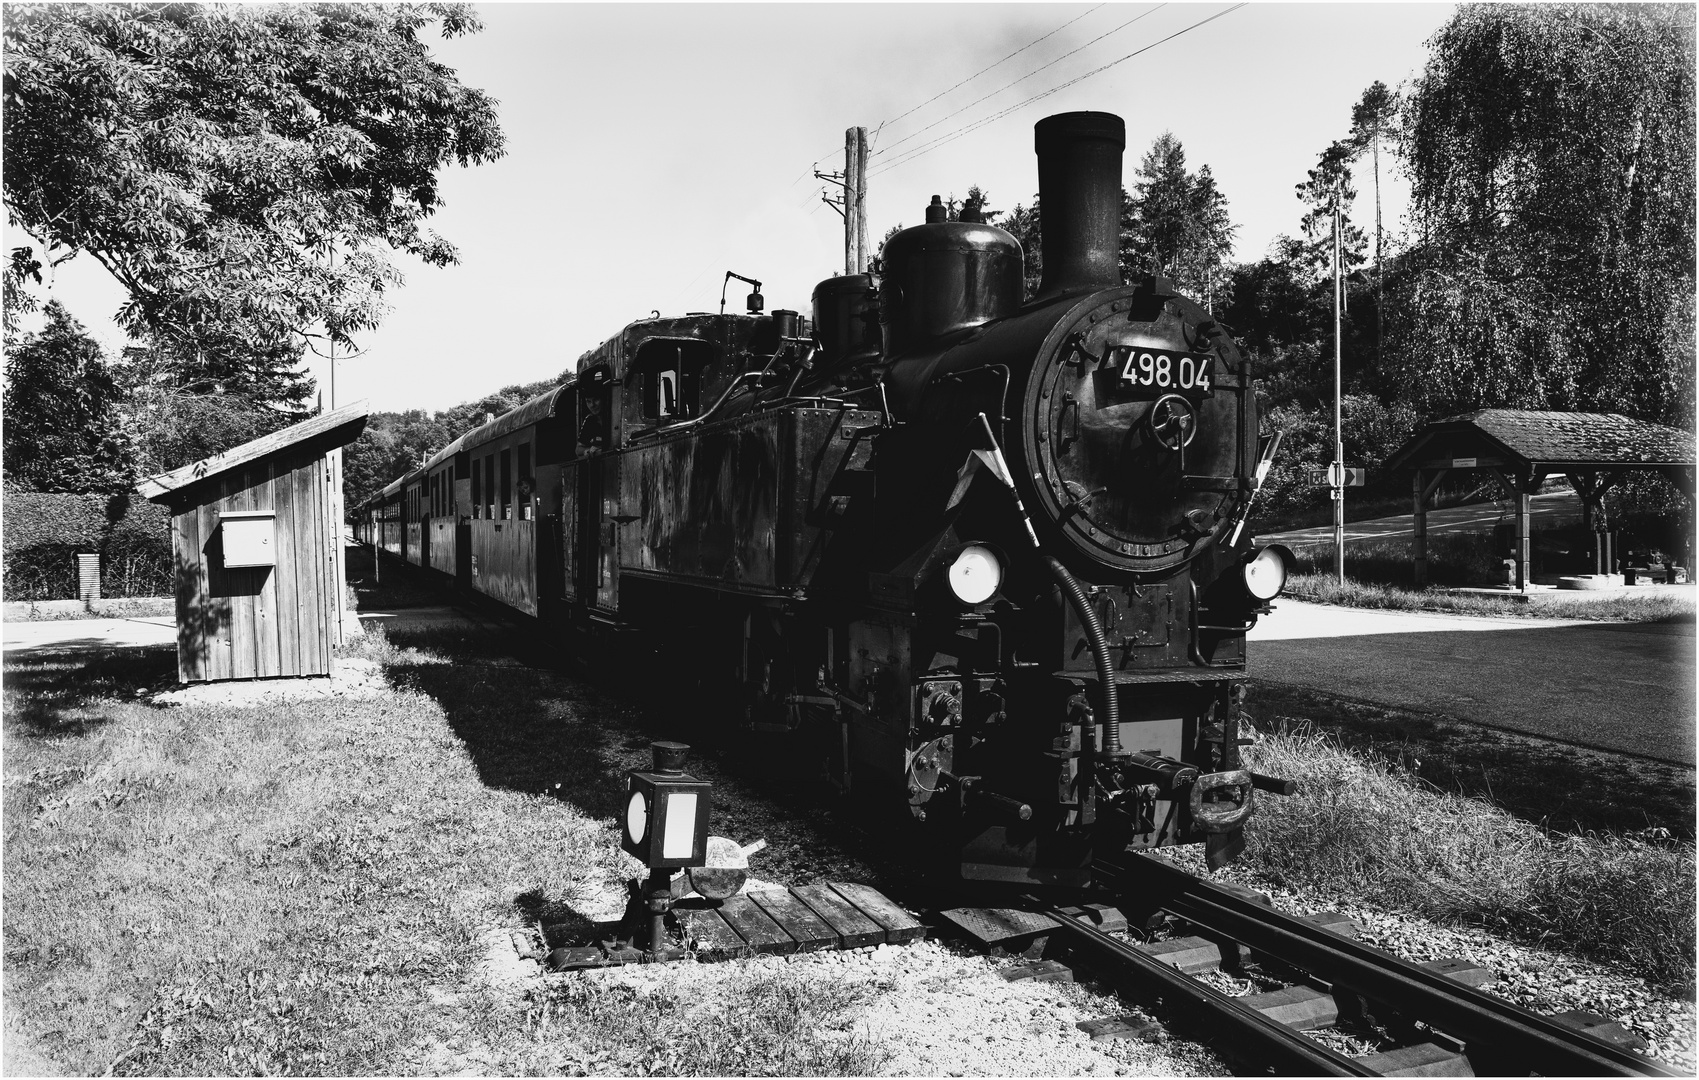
x=1361, y=825
x=1555, y=785
x=1324, y=588
x=310, y=887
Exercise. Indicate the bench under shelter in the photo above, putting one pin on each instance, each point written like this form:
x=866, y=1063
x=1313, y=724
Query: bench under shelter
x=1522, y=447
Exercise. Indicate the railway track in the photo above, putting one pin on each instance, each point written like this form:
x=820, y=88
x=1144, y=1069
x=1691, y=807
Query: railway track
x=1444, y=1027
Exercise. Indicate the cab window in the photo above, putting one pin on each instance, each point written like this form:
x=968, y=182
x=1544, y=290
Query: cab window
x=669, y=375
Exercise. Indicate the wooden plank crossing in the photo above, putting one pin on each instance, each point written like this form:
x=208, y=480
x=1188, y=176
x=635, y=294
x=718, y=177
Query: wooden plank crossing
x=899, y=925
x=755, y=927
x=853, y=927
x=808, y=930
x=776, y=922
x=802, y=919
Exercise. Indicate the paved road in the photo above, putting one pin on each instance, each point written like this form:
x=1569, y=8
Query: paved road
x=1547, y=511
x=83, y=635
x=1627, y=687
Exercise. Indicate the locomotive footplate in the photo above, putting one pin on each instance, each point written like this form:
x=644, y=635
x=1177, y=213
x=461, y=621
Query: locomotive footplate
x=1178, y=675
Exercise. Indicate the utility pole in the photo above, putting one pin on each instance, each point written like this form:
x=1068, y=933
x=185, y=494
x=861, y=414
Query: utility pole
x=853, y=206
x=855, y=201
x=1338, y=470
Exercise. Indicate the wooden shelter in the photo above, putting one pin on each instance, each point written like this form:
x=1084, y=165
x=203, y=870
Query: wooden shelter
x=257, y=536
x=1522, y=447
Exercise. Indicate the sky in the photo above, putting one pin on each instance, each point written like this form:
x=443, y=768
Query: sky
x=653, y=147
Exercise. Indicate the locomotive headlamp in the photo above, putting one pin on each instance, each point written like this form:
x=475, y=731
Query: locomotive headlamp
x=976, y=574
x=666, y=812
x=1266, y=572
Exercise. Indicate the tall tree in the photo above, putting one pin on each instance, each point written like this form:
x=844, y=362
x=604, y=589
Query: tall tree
x=1175, y=222
x=1551, y=156
x=1374, y=122
x=1328, y=188
x=63, y=428
x=243, y=171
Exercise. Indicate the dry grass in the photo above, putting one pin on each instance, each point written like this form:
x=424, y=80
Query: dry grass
x=1362, y=826
x=743, y=1023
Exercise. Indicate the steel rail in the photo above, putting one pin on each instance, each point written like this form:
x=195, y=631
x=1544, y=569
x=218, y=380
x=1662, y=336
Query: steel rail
x=1531, y=1041
x=1289, y=1051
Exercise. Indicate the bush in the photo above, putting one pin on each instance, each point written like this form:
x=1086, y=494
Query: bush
x=45, y=531
x=1372, y=431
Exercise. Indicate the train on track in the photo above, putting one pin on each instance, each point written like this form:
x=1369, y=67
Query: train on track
x=976, y=555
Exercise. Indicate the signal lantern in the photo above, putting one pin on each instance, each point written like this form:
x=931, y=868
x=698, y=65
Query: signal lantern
x=666, y=812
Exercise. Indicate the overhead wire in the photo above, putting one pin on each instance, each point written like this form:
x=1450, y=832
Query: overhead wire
x=1023, y=78
x=886, y=123
x=920, y=151
x=988, y=67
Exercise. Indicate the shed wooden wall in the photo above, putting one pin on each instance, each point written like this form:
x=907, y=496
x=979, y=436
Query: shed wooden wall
x=257, y=622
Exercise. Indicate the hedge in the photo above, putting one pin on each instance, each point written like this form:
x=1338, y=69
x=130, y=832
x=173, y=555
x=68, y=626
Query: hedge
x=44, y=532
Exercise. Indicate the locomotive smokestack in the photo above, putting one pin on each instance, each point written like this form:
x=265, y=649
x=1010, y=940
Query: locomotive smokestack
x=1079, y=192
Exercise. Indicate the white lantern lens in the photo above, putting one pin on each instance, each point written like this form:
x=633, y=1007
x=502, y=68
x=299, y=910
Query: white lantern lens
x=1265, y=575
x=975, y=575
x=636, y=817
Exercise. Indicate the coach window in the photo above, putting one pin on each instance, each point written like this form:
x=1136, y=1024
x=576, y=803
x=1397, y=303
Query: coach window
x=526, y=483
x=477, y=491
x=453, y=505
x=507, y=484
x=489, y=485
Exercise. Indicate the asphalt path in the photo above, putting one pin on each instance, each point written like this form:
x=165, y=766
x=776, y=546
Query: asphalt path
x=1625, y=687
x=1554, y=510
x=97, y=634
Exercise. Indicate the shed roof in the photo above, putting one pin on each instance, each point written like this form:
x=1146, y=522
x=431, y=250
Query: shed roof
x=1557, y=440
x=332, y=429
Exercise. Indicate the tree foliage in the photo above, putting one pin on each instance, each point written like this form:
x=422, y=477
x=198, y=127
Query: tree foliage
x=395, y=443
x=244, y=172
x=1551, y=155
x=63, y=428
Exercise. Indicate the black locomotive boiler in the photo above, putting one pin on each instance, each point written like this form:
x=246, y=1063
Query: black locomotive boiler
x=975, y=555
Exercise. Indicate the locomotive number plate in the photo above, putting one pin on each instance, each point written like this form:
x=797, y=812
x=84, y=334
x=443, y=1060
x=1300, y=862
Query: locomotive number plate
x=1159, y=371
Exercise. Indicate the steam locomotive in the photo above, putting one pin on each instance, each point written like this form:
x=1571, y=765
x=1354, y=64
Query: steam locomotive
x=981, y=558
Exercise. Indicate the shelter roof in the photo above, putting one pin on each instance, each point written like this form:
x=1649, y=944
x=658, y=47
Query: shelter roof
x=1552, y=440
x=327, y=430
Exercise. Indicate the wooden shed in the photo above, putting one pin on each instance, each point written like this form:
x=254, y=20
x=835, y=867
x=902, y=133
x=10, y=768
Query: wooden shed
x=257, y=536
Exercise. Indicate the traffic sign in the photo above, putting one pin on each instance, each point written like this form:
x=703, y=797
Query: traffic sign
x=1354, y=477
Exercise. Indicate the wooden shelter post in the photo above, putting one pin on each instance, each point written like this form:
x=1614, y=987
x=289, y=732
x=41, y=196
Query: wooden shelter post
x=1421, y=493
x=1419, y=534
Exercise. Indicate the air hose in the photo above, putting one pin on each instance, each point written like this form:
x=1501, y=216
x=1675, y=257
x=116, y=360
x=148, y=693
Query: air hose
x=1099, y=651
